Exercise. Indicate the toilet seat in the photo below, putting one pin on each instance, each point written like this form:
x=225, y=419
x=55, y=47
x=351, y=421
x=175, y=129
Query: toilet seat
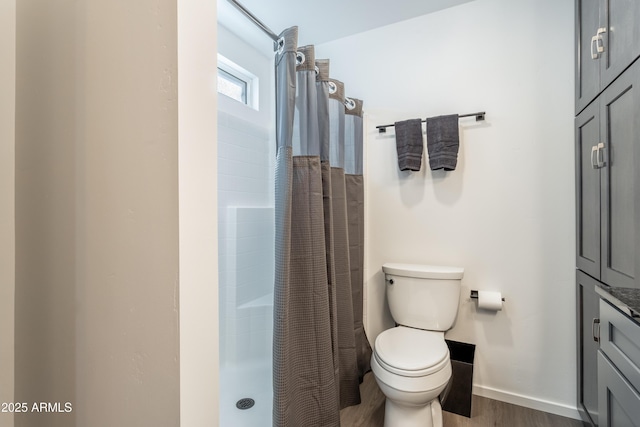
x=411, y=352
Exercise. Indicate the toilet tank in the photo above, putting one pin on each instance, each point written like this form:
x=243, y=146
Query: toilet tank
x=423, y=296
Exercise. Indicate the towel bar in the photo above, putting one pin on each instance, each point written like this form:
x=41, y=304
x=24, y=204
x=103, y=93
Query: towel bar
x=479, y=117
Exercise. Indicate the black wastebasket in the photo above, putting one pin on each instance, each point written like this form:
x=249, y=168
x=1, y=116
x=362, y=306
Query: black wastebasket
x=457, y=397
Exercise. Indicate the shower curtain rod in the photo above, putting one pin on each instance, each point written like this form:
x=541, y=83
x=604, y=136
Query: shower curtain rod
x=479, y=117
x=255, y=20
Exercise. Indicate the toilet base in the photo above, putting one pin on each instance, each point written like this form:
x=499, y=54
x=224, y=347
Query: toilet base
x=429, y=415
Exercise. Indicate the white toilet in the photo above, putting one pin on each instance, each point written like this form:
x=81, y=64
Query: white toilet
x=411, y=361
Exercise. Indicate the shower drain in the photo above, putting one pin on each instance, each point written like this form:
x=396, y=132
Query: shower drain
x=245, y=403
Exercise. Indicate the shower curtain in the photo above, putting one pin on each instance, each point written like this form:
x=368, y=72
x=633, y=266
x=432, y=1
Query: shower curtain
x=320, y=350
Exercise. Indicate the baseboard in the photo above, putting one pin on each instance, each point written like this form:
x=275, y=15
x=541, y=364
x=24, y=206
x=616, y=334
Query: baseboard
x=527, y=401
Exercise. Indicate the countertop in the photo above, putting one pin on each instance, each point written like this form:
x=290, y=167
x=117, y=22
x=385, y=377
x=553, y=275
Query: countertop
x=626, y=300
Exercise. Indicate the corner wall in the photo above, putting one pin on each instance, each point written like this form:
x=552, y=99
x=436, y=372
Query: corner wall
x=7, y=203
x=506, y=214
x=198, y=239
x=97, y=212
x=45, y=342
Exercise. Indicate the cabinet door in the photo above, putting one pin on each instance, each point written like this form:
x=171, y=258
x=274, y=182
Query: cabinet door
x=587, y=311
x=620, y=341
x=587, y=69
x=619, y=402
x=620, y=132
x=587, y=136
x=621, y=18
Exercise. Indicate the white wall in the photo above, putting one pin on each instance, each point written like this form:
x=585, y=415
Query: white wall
x=507, y=213
x=7, y=203
x=97, y=211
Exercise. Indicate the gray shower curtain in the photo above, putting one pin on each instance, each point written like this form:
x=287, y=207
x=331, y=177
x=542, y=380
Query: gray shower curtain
x=320, y=350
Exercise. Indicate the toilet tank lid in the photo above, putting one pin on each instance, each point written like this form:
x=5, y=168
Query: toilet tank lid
x=423, y=271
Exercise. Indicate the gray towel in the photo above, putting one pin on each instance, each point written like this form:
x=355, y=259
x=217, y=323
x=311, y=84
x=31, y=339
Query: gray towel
x=409, y=144
x=443, y=142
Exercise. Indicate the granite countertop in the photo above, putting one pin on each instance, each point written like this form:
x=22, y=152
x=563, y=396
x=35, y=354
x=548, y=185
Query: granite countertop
x=626, y=300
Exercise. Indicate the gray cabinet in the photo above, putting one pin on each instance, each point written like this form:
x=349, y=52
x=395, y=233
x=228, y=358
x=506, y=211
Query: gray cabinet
x=607, y=165
x=587, y=136
x=607, y=175
x=619, y=400
x=587, y=348
x=587, y=69
x=607, y=35
x=618, y=369
x=620, y=134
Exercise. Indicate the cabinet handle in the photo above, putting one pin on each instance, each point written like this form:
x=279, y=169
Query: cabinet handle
x=601, y=162
x=594, y=54
x=595, y=329
x=594, y=157
x=598, y=42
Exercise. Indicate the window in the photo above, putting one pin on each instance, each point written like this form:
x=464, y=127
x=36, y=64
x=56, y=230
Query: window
x=237, y=83
x=232, y=86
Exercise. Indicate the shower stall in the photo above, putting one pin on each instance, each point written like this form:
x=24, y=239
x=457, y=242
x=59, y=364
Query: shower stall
x=291, y=230
x=246, y=154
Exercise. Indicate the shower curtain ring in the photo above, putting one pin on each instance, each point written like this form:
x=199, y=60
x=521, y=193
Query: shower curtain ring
x=300, y=58
x=279, y=45
x=349, y=103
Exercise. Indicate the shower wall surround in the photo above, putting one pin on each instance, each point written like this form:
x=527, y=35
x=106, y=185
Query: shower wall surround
x=245, y=236
x=245, y=211
x=245, y=161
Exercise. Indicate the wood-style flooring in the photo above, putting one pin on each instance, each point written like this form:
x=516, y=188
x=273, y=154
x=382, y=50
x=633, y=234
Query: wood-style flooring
x=484, y=412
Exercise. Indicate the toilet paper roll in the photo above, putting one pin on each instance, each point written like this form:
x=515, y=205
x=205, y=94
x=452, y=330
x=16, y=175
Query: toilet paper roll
x=490, y=300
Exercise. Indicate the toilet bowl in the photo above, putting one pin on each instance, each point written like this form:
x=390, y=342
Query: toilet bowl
x=411, y=362
x=412, y=367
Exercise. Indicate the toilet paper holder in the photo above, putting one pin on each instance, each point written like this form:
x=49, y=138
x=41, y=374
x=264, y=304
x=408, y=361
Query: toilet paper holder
x=474, y=294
